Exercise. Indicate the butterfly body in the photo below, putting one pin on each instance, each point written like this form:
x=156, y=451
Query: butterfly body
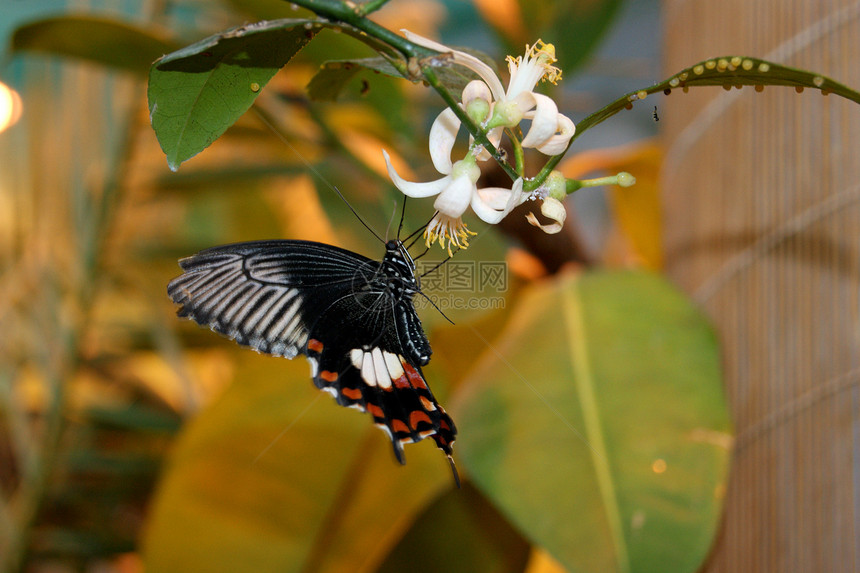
x=351, y=316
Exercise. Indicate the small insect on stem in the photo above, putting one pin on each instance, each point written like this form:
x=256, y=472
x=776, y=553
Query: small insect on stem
x=656, y=117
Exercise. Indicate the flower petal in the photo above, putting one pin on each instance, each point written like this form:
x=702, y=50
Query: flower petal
x=524, y=76
x=487, y=202
x=476, y=89
x=544, y=121
x=443, y=133
x=558, y=142
x=485, y=72
x=494, y=197
x=551, y=209
x=415, y=189
x=454, y=199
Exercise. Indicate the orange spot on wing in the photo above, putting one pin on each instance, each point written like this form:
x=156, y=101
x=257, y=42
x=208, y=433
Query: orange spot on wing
x=402, y=382
x=351, y=393
x=315, y=345
x=375, y=410
x=328, y=375
x=399, y=426
x=428, y=405
x=417, y=417
x=415, y=378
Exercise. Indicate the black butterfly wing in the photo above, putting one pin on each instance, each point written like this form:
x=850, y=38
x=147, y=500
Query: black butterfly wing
x=263, y=294
x=290, y=297
x=377, y=375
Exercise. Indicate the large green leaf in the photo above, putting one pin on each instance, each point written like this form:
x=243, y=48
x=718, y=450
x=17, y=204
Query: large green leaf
x=459, y=531
x=596, y=423
x=276, y=477
x=334, y=76
x=728, y=72
x=101, y=40
x=196, y=93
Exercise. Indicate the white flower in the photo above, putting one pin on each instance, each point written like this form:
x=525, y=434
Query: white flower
x=456, y=191
x=494, y=108
x=550, y=131
x=551, y=208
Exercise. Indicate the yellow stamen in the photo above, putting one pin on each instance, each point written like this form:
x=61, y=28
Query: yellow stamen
x=450, y=232
x=545, y=55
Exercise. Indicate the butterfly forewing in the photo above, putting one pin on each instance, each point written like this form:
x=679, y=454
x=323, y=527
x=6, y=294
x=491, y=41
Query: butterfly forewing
x=351, y=316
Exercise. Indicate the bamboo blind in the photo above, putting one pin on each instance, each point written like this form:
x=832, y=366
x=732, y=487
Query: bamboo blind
x=762, y=228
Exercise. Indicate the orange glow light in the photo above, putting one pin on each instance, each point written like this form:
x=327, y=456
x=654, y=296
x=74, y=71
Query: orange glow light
x=10, y=107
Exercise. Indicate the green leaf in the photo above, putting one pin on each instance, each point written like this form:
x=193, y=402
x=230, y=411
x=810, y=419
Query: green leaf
x=575, y=28
x=274, y=476
x=335, y=75
x=597, y=424
x=100, y=40
x=460, y=531
x=196, y=93
x=728, y=71
x=134, y=417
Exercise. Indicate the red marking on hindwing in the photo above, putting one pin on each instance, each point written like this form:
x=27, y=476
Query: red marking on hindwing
x=328, y=375
x=417, y=417
x=415, y=378
x=428, y=405
x=402, y=382
x=351, y=393
x=315, y=345
x=376, y=411
x=399, y=426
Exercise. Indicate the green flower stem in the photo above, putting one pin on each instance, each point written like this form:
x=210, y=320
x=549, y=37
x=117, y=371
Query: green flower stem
x=342, y=12
x=571, y=185
x=622, y=179
x=519, y=156
x=371, y=6
x=354, y=15
x=538, y=180
x=471, y=127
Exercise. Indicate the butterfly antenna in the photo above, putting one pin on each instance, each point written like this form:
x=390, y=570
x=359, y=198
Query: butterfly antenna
x=268, y=121
x=418, y=230
x=448, y=258
x=415, y=240
x=357, y=216
x=454, y=470
x=402, y=215
x=436, y=307
x=427, y=250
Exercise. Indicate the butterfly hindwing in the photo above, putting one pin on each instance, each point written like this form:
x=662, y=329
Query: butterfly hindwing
x=351, y=316
x=382, y=381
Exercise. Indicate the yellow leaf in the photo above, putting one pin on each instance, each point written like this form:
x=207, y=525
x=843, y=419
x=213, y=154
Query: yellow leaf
x=298, y=209
x=505, y=16
x=636, y=209
x=423, y=17
x=368, y=149
x=542, y=562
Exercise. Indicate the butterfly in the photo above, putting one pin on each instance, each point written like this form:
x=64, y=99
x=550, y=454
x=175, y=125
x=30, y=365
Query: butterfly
x=352, y=317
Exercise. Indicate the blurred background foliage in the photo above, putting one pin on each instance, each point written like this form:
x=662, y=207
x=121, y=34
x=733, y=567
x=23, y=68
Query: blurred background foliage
x=594, y=435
